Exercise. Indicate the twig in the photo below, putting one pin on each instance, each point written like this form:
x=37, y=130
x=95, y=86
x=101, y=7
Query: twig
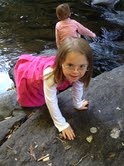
x=80, y=160
x=61, y=140
x=43, y=157
x=9, y=147
x=31, y=151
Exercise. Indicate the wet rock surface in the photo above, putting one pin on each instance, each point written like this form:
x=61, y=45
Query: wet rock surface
x=7, y=103
x=35, y=135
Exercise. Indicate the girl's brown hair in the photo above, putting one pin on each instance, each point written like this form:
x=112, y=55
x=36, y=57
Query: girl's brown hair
x=63, y=11
x=72, y=44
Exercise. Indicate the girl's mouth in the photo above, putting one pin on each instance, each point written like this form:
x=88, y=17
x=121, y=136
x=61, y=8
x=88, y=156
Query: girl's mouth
x=74, y=77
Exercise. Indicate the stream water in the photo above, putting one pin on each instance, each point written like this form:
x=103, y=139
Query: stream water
x=27, y=26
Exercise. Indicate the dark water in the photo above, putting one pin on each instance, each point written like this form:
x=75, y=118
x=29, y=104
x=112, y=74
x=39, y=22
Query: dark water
x=28, y=26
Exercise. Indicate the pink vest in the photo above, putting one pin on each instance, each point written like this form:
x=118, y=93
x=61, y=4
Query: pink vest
x=28, y=74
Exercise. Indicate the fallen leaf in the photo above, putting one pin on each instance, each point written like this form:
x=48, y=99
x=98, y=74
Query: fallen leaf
x=89, y=138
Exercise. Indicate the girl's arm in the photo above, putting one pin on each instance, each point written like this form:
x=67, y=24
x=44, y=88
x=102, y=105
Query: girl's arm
x=84, y=31
x=50, y=93
x=57, y=37
x=77, y=95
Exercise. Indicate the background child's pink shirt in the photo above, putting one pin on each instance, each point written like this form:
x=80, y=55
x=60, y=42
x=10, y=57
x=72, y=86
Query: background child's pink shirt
x=70, y=28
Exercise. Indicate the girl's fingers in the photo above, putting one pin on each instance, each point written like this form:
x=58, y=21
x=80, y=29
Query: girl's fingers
x=71, y=137
x=68, y=133
x=85, y=103
x=64, y=135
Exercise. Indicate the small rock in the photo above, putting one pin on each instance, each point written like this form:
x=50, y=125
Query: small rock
x=115, y=133
x=93, y=130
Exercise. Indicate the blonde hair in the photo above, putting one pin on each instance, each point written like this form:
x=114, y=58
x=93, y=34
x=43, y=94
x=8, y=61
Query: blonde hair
x=73, y=44
x=63, y=11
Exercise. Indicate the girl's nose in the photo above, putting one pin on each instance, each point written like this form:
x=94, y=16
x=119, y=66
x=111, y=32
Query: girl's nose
x=76, y=69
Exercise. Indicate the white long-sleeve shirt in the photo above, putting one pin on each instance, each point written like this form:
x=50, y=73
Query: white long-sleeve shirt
x=50, y=92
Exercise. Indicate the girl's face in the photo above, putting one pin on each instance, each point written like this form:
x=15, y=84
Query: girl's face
x=74, y=66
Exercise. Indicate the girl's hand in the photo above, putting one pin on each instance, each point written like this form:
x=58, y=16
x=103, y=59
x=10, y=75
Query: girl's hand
x=68, y=133
x=84, y=105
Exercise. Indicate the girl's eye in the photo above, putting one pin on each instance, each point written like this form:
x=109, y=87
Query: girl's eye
x=83, y=66
x=69, y=65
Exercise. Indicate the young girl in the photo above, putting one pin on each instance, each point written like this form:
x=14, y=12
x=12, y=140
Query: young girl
x=39, y=77
x=68, y=27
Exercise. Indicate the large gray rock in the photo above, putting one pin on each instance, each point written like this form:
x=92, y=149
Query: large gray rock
x=9, y=125
x=38, y=137
x=109, y=3
x=7, y=103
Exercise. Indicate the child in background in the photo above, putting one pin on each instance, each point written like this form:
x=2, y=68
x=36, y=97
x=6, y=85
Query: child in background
x=68, y=27
x=39, y=77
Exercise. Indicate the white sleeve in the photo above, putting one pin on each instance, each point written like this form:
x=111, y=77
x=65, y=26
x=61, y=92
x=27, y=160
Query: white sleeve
x=77, y=94
x=50, y=93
